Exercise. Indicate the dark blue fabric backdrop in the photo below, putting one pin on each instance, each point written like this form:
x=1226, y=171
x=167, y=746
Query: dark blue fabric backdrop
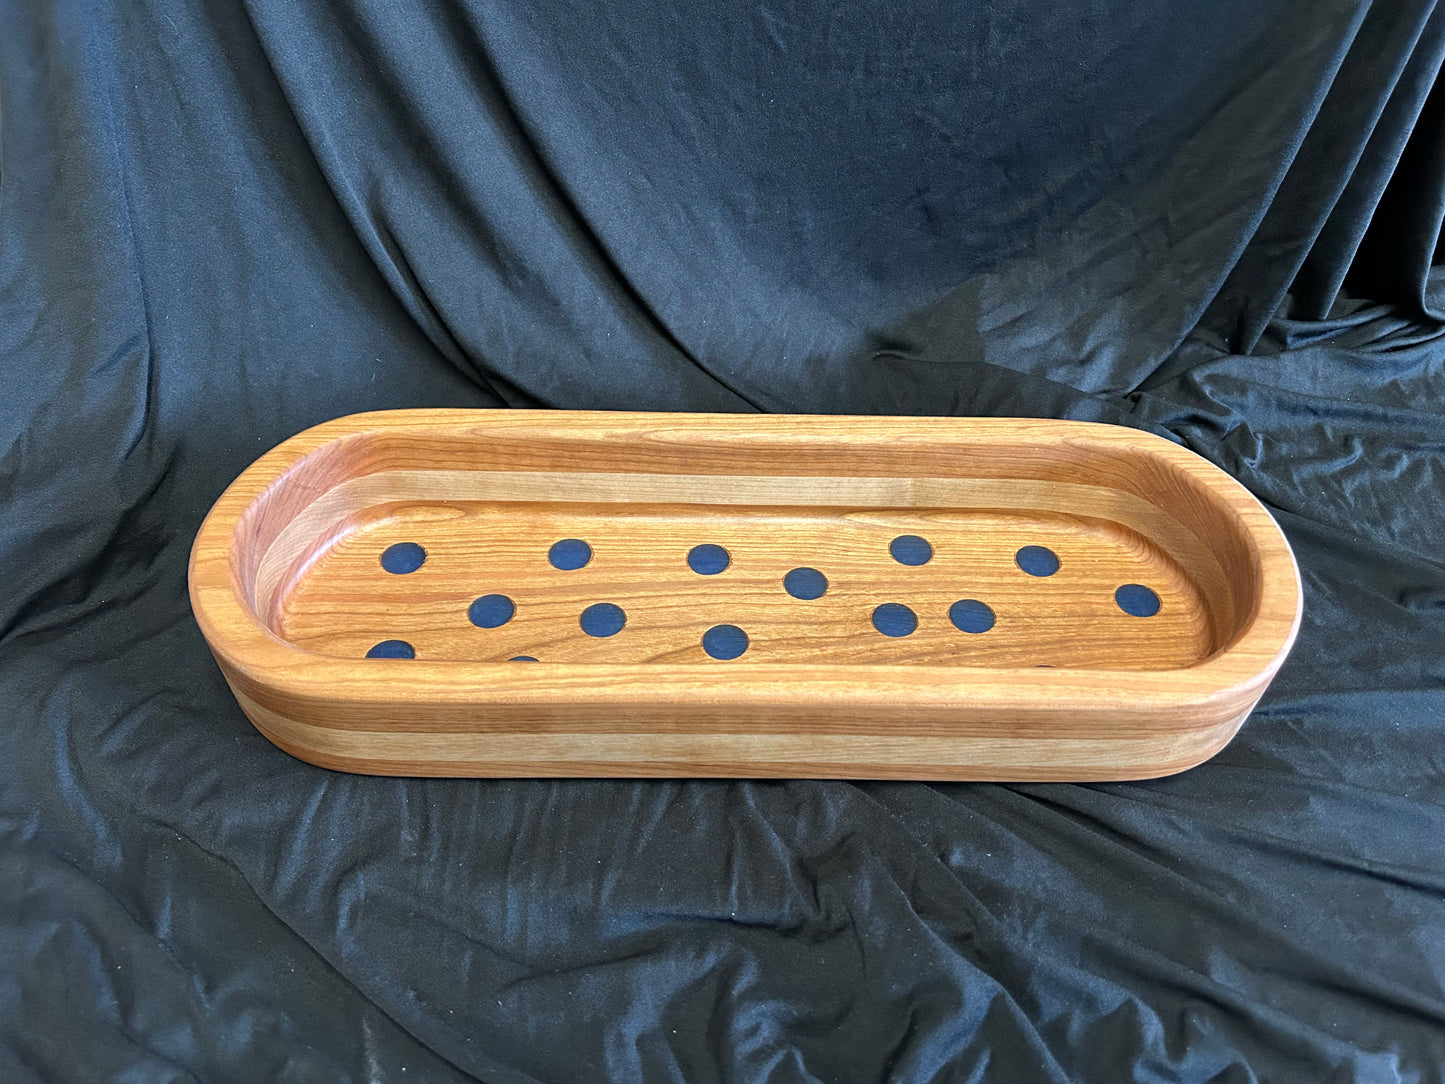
x=223, y=222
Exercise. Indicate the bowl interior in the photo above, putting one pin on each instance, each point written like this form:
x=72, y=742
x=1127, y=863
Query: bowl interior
x=479, y=548
x=573, y=582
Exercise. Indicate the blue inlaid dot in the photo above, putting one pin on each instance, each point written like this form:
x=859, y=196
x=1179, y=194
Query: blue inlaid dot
x=805, y=583
x=491, y=611
x=971, y=615
x=910, y=549
x=402, y=558
x=707, y=559
x=894, y=619
x=724, y=641
x=602, y=619
x=392, y=649
x=569, y=554
x=522, y=658
x=1037, y=560
x=1136, y=600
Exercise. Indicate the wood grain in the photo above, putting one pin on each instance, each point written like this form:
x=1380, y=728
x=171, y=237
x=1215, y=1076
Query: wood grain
x=289, y=590
x=345, y=603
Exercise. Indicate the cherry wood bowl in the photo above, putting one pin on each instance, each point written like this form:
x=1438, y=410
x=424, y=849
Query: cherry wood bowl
x=486, y=593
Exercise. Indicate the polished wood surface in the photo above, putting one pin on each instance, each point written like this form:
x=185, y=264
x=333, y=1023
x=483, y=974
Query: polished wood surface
x=1056, y=681
x=345, y=602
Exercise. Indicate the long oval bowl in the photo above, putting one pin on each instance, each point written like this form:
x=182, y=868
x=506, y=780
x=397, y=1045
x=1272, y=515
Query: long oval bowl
x=294, y=578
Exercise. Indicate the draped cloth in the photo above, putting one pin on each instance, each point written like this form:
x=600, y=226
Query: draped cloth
x=221, y=223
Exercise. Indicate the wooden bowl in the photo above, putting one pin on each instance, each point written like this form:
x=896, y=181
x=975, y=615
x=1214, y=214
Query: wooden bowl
x=481, y=593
